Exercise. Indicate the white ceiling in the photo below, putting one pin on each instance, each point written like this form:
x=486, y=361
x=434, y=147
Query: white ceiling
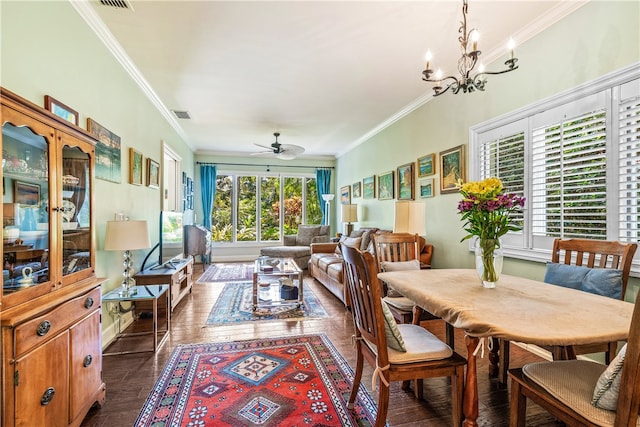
x=325, y=74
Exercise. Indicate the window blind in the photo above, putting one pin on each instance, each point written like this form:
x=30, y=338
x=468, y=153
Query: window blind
x=629, y=167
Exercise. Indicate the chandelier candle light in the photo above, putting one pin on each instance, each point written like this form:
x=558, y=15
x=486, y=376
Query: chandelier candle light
x=487, y=211
x=467, y=82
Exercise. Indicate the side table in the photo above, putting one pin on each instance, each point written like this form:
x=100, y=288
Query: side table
x=147, y=293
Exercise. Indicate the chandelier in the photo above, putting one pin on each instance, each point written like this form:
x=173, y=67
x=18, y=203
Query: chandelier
x=469, y=80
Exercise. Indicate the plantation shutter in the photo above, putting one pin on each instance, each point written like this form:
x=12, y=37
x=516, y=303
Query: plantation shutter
x=569, y=171
x=629, y=144
x=502, y=155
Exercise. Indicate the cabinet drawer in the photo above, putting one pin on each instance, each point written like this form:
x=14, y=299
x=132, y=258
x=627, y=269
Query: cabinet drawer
x=43, y=328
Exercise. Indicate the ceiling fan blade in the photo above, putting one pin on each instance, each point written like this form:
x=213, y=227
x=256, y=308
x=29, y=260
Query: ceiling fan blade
x=263, y=153
x=292, y=149
x=266, y=147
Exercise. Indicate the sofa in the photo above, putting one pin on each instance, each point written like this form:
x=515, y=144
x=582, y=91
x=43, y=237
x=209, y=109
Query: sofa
x=297, y=246
x=325, y=263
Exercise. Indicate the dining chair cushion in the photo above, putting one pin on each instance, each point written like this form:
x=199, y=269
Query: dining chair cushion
x=572, y=383
x=421, y=345
x=391, y=331
x=401, y=303
x=601, y=281
x=607, y=389
x=413, y=264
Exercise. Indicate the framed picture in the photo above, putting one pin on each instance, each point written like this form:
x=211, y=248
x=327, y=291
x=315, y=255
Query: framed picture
x=107, y=152
x=369, y=187
x=356, y=189
x=426, y=165
x=135, y=167
x=452, y=168
x=426, y=188
x=345, y=195
x=153, y=173
x=386, y=186
x=26, y=193
x=61, y=110
x=405, y=182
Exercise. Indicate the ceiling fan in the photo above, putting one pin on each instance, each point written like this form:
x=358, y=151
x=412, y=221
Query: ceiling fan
x=280, y=151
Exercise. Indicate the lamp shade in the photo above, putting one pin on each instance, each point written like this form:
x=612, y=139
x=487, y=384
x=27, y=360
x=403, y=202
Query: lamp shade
x=349, y=213
x=126, y=235
x=409, y=218
x=328, y=197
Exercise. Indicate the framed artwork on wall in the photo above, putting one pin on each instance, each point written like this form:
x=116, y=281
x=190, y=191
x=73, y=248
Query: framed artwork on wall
x=386, y=186
x=345, y=195
x=369, y=187
x=405, y=182
x=135, y=167
x=426, y=165
x=426, y=188
x=61, y=110
x=107, y=152
x=26, y=194
x=356, y=189
x=153, y=173
x=452, y=168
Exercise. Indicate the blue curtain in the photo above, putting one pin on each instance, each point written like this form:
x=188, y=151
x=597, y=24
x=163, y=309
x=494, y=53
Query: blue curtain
x=208, y=176
x=323, y=185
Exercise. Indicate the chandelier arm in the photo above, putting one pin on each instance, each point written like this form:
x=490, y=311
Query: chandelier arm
x=496, y=72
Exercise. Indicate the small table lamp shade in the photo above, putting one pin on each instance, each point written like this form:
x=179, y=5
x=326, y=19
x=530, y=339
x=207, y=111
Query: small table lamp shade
x=349, y=215
x=410, y=218
x=126, y=235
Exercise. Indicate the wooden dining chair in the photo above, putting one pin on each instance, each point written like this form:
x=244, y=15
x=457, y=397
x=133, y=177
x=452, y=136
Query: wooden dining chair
x=400, y=251
x=592, y=254
x=380, y=340
x=567, y=388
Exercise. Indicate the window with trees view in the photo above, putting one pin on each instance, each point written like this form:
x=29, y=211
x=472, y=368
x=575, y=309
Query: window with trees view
x=262, y=208
x=576, y=159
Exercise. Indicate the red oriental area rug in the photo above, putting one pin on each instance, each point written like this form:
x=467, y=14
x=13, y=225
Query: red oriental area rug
x=286, y=381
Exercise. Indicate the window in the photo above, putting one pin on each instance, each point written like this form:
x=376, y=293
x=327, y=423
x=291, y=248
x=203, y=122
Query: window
x=255, y=208
x=576, y=159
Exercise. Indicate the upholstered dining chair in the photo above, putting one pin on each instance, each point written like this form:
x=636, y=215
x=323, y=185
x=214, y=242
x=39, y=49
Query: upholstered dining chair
x=572, y=261
x=582, y=392
x=398, y=352
x=399, y=251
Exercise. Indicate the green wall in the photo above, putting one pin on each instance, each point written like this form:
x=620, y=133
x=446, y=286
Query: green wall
x=598, y=38
x=47, y=49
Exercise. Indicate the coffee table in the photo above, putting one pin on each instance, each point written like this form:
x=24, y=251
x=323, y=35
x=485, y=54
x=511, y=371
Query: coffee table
x=268, y=275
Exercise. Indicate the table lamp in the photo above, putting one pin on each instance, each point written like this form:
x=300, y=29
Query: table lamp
x=127, y=236
x=409, y=218
x=349, y=215
x=327, y=200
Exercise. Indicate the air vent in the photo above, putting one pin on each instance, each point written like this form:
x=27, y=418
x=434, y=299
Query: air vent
x=182, y=114
x=120, y=4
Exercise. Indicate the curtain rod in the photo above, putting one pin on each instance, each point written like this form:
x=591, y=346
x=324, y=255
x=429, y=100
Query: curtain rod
x=263, y=166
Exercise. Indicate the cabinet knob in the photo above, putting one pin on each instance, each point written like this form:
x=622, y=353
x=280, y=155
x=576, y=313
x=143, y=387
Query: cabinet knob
x=87, y=361
x=47, y=397
x=43, y=328
x=88, y=303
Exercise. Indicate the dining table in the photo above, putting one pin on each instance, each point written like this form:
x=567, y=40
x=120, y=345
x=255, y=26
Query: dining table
x=517, y=309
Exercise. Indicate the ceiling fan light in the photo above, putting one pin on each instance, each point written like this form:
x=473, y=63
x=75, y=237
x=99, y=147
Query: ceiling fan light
x=286, y=156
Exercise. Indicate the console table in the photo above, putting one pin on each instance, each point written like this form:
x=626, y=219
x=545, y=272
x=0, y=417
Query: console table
x=179, y=277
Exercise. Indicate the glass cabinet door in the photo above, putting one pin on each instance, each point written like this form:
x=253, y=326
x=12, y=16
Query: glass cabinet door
x=75, y=210
x=25, y=202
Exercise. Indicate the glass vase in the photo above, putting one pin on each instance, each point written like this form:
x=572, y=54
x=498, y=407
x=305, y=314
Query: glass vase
x=489, y=259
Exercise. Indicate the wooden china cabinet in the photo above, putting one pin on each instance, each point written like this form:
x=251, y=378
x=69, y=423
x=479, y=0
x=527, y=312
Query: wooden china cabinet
x=51, y=372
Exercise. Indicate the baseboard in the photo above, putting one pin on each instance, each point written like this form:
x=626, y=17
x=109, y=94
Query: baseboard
x=546, y=354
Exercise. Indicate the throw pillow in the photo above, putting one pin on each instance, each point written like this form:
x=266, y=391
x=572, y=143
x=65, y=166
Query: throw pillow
x=306, y=233
x=605, y=395
x=353, y=242
x=414, y=264
x=601, y=281
x=391, y=331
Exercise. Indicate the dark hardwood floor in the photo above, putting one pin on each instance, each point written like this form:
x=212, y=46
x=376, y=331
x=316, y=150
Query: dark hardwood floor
x=130, y=378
